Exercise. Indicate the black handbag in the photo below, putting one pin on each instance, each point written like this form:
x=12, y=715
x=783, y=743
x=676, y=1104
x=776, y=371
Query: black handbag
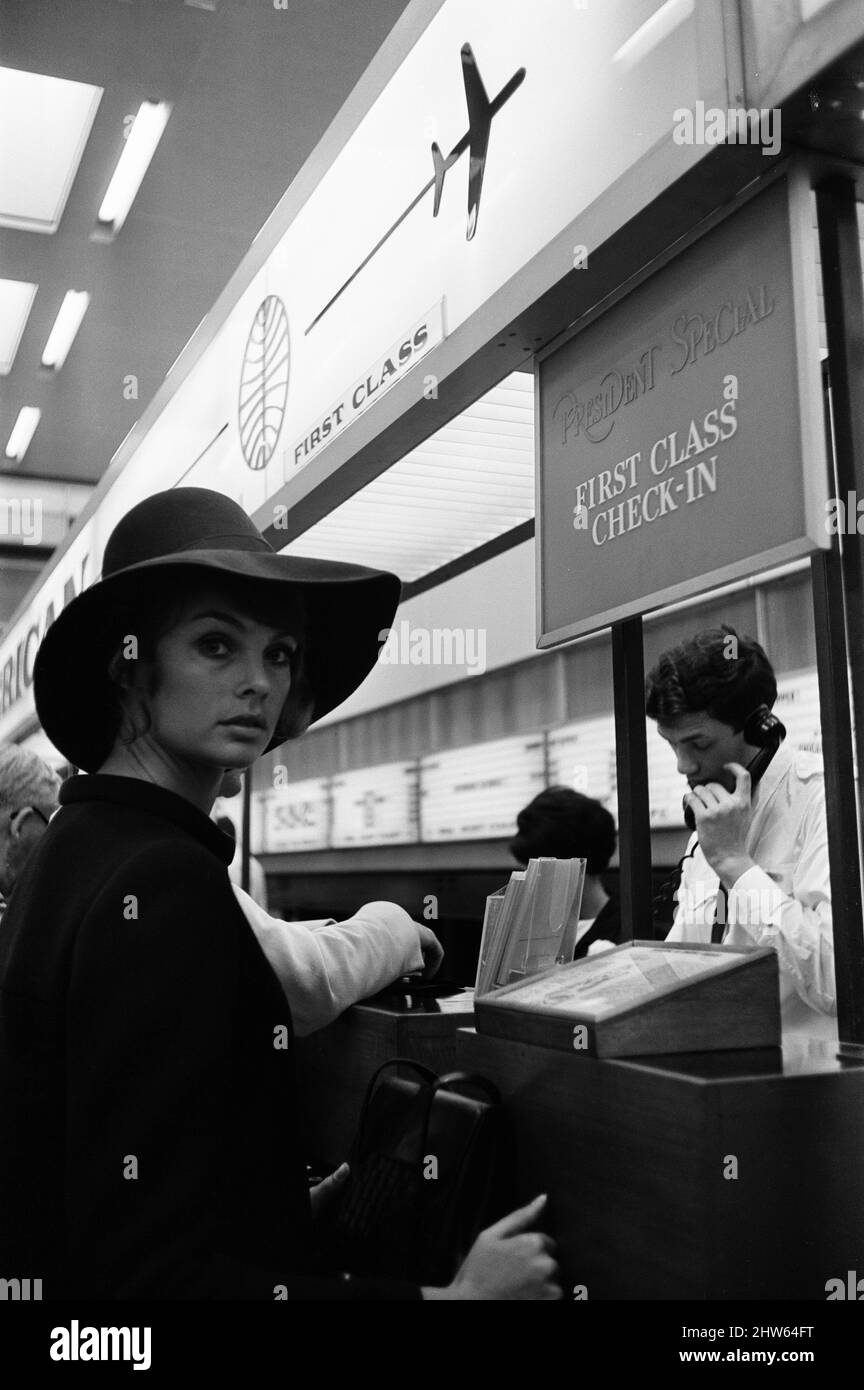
x=430, y=1168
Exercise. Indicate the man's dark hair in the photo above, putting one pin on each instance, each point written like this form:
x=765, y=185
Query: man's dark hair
x=726, y=679
x=561, y=823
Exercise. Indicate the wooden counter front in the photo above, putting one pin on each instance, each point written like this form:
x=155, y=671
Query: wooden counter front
x=640, y=1157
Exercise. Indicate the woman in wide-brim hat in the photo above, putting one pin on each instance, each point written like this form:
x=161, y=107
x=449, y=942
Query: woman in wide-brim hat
x=149, y=1144
x=145, y=1043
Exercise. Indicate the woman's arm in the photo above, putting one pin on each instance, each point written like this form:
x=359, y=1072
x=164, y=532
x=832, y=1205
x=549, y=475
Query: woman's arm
x=325, y=966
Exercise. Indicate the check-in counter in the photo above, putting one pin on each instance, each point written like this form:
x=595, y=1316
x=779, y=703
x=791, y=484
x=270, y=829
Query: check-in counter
x=717, y=1175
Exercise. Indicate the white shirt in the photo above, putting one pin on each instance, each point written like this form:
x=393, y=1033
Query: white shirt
x=785, y=901
x=324, y=966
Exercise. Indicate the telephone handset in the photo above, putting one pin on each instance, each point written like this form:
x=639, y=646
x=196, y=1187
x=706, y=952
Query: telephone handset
x=762, y=728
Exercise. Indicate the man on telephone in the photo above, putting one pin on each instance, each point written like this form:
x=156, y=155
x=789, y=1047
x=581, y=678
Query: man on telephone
x=756, y=868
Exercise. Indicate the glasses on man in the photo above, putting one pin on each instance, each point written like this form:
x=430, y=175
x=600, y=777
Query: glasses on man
x=34, y=809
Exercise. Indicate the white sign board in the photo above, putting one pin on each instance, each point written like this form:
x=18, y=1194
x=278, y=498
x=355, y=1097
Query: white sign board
x=477, y=792
x=798, y=707
x=297, y=816
x=582, y=756
x=375, y=806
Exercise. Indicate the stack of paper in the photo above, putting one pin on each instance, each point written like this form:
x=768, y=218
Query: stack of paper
x=531, y=924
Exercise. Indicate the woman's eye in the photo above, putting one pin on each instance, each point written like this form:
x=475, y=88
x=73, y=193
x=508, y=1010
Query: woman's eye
x=213, y=645
x=281, y=655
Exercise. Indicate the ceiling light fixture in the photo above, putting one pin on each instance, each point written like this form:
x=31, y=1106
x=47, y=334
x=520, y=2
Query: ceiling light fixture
x=66, y=325
x=46, y=122
x=22, y=432
x=663, y=22
x=133, y=163
x=16, y=298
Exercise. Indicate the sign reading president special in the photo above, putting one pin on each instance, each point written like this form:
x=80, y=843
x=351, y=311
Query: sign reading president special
x=680, y=441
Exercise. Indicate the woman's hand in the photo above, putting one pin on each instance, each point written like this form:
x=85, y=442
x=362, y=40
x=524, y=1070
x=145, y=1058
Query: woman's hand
x=508, y=1261
x=324, y=1192
x=433, y=951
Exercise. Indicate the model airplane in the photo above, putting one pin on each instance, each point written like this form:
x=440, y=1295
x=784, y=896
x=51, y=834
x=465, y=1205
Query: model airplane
x=476, y=140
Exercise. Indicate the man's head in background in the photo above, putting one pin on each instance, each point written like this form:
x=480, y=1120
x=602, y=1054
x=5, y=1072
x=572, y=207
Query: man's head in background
x=28, y=798
x=701, y=694
x=561, y=823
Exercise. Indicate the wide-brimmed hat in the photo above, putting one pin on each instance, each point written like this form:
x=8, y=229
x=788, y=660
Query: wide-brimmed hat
x=194, y=529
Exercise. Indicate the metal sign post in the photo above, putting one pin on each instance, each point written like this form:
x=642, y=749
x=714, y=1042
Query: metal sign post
x=838, y=585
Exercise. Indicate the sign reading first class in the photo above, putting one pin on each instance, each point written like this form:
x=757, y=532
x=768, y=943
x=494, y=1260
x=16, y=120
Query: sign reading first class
x=680, y=436
x=427, y=333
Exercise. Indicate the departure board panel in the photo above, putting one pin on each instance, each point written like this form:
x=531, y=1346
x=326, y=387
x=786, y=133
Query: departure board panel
x=475, y=793
x=297, y=816
x=582, y=756
x=375, y=806
x=798, y=706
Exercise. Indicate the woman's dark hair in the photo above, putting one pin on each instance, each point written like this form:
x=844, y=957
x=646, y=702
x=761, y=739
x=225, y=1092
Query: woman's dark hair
x=152, y=611
x=226, y=825
x=717, y=673
x=561, y=823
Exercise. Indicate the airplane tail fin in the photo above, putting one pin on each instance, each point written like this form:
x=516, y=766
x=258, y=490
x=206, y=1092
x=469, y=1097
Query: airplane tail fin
x=440, y=164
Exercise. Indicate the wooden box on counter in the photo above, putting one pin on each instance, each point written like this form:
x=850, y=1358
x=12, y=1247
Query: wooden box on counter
x=336, y=1064
x=643, y=998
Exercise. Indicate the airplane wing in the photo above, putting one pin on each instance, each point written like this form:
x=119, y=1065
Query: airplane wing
x=479, y=125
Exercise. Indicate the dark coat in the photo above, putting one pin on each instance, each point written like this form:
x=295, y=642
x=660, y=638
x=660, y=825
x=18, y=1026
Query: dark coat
x=149, y=1142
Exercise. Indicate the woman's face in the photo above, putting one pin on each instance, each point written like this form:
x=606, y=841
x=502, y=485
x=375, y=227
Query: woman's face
x=222, y=678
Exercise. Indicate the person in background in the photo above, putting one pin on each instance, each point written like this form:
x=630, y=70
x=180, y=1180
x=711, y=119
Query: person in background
x=561, y=823
x=28, y=798
x=756, y=871
x=325, y=966
x=257, y=877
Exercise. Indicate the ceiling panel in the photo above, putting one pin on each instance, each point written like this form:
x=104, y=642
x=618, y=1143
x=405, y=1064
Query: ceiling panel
x=16, y=297
x=45, y=123
x=469, y=483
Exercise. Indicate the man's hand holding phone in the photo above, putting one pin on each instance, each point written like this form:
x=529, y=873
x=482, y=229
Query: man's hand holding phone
x=722, y=822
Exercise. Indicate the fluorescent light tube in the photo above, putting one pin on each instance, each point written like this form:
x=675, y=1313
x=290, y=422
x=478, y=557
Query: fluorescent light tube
x=133, y=163
x=23, y=431
x=658, y=27
x=66, y=325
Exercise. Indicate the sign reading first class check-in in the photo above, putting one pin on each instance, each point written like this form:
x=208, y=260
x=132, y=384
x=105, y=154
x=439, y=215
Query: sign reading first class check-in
x=680, y=440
